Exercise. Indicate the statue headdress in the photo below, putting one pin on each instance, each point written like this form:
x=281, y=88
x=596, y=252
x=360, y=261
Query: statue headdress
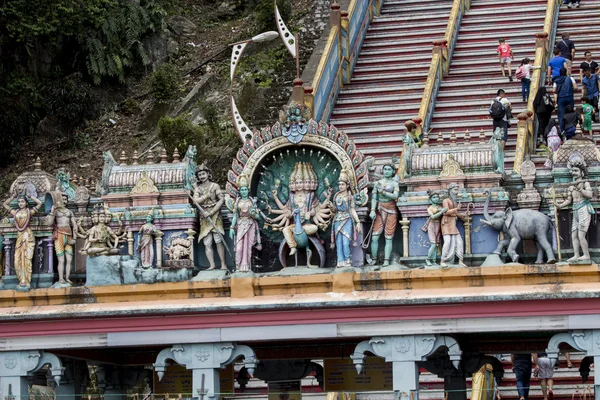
x=243, y=181
x=204, y=167
x=577, y=160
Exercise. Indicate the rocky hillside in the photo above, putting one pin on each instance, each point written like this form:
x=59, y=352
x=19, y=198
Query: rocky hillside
x=195, y=43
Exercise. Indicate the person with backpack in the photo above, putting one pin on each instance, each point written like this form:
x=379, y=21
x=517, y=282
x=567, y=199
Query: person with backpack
x=500, y=111
x=590, y=87
x=564, y=87
x=570, y=121
x=543, y=104
x=524, y=75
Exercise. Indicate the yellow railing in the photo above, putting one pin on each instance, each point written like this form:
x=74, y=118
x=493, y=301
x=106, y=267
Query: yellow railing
x=440, y=60
x=526, y=133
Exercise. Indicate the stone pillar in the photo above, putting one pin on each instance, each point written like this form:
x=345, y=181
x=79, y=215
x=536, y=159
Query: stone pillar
x=205, y=360
x=159, y=249
x=191, y=233
x=130, y=241
x=405, y=222
x=335, y=18
x=50, y=252
x=405, y=352
x=587, y=341
x=467, y=221
x=298, y=91
x=16, y=366
x=7, y=256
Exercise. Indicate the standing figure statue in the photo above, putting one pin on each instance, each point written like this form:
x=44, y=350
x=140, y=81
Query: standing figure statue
x=432, y=227
x=244, y=231
x=346, y=225
x=25, y=243
x=65, y=228
x=146, y=236
x=497, y=149
x=453, y=242
x=385, y=213
x=579, y=195
x=208, y=195
x=311, y=214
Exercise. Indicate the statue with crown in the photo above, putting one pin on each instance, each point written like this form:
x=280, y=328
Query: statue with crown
x=292, y=182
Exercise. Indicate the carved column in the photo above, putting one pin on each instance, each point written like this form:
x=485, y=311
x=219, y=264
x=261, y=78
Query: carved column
x=7, y=256
x=158, y=239
x=405, y=352
x=405, y=222
x=130, y=241
x=50, y=252
x=16, y=366
x=529, y=196
x=191, y=233
x=467, y=222
x=584, y=340
x=205, y=360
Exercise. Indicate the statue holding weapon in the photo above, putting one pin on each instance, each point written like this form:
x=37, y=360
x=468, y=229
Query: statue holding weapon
x=209, y=199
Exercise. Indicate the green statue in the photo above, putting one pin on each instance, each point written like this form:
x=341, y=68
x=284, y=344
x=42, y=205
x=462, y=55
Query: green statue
x=432, y=227
x=384, y=213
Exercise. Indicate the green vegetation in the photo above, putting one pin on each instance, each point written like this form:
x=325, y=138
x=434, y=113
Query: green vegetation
x=216, y=140
x=166, y=83
x=52, y=49
x=265, y=12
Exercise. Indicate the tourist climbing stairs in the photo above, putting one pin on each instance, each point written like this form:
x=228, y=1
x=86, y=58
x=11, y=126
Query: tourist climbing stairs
x=474, y=74
x=583, y=25
x=390, y=74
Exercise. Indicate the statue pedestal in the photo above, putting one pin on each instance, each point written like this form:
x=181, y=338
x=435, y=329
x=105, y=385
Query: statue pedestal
x=126, y=270
x=37, y=281
x=178, y=264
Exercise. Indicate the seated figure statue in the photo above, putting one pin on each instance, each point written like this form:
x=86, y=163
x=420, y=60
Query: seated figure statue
x=100, y=240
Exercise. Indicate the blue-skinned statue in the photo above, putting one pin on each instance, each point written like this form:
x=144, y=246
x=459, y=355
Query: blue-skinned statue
x=346, y=225
x=384, y=213
x=293, y=120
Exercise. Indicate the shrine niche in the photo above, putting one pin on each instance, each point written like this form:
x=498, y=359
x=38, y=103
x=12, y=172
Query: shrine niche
x=294, y=170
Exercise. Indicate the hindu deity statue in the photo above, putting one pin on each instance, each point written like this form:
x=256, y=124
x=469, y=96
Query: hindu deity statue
x=579, y=195
x=384, y=213
x=497, y=149
x=100, y=238
x=65, y=227
x=244, y=230
x=146, y=236
x=293, y=119
x=433, y=227
x=346, y=225
x=209, y=199
x=303, y=206
x=25, y=243
x=453, y=241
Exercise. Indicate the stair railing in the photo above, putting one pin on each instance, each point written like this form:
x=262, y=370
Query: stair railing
x=543, y=51
x=440, y=63
x=348, y=30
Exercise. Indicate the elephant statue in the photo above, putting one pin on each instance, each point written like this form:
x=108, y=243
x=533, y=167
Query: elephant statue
x=521, y=224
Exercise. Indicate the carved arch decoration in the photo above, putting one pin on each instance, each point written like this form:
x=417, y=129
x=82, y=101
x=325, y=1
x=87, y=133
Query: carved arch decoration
x=319, y=135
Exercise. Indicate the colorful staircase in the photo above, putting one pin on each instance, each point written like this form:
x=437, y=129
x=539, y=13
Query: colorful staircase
x=474, y=75
x=583, y=25
x=390, y=74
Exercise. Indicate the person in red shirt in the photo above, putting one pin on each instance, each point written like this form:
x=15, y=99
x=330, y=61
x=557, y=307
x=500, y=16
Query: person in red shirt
x=505, y=54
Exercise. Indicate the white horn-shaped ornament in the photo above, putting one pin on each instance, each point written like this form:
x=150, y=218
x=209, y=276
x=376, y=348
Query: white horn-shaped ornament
x=265, y=37
x=288, y=38
x=239, y=123
x=236, y=53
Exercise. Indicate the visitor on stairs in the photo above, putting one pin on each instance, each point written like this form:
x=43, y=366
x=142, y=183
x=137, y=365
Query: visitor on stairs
x=572, y=3
x=554, y=65
x=505, y=55
x=543, y=370
x=570, y=121
x=522, y=368
x=588, y=115
x=590, y=87
x=501, y=113
x=567, y=50
x=553, y=134
x=543, y=106
x=564, y=87
x=524, y=74
x=588, y=63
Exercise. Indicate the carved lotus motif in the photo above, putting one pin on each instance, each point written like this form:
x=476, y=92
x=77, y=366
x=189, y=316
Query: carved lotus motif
x=402, y=345
x=10, y=362
x=203, y=354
